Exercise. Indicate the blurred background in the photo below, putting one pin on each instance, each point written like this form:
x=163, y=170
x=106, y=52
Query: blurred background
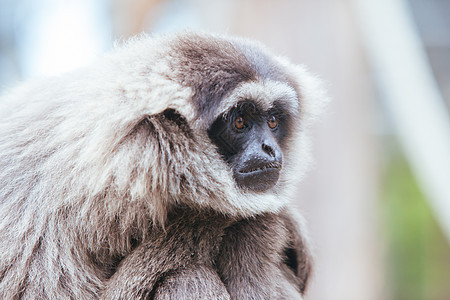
x=378, y=200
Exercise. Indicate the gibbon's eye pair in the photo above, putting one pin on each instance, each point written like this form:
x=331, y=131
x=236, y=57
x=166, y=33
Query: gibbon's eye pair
x=240, y=122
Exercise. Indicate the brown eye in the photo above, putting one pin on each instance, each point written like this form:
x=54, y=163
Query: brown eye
x=239, y=122
x=272, y=122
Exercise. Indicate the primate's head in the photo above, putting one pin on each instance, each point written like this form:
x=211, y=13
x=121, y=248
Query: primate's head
x=247, y=111
x=238, y=117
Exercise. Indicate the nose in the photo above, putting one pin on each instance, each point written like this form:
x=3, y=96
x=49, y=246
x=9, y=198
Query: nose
x=268, y=149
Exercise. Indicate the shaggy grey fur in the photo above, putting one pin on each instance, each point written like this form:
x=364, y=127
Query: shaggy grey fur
x=110, y=186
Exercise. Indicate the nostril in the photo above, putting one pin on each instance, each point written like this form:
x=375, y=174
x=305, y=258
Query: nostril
x=268, y=149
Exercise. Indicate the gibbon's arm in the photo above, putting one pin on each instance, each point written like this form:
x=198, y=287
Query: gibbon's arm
x=297, y=255
x=173, y=263
x=202, y=256
x=264, y=258
x=148, y=273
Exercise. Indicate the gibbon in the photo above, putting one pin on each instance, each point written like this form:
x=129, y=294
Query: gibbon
x=163, y=171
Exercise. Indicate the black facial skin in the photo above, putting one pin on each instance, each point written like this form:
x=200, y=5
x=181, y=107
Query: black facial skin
x=249, y=140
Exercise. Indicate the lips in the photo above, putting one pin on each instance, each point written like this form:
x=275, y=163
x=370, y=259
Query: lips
x=262, y=167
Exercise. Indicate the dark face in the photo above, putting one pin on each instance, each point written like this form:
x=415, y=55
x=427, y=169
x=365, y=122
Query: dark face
x=250, y=140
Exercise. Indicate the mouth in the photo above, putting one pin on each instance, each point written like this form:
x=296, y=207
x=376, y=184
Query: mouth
x=259, y=178
x=262, y=167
